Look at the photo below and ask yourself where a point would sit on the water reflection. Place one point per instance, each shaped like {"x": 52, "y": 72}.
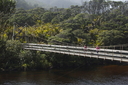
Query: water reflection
{"x": 105, "y": 75}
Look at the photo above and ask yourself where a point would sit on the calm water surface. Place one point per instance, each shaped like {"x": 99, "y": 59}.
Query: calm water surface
{"x": 103, "y": 75}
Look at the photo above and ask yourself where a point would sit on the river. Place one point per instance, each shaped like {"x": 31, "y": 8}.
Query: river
{"x": 102, "y": 75}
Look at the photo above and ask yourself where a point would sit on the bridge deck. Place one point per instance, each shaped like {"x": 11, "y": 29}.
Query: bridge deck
{"x": 110, "y": 54}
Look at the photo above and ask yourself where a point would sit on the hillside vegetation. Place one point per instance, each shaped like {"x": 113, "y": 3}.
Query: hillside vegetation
{"x": 97, "y": 22}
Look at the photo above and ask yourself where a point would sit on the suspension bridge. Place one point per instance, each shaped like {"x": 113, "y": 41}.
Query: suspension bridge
{"x": 104, "y": 52}
{"x": 109, "y": 54}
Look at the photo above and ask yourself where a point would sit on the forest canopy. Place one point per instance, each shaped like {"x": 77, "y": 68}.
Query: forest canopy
{"x": 96, "y": 22}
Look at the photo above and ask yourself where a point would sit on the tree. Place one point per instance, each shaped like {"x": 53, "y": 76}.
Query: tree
{"x": 82, "y": 38}
{"x": 63, "y": 37}
{"x": 110, "y": 37}
{"x": 47, "y": 17}
{"x": 95, "y": 7}
{"x": 83, "y": 20}
{"x": 36, "y": 13}
{"x": 21, "y": 17}
{"x": 75, "y": 10}
{"x": 11, "y": 59}
{"x": 7, "y": 7}
{"x": 93, "y": 36}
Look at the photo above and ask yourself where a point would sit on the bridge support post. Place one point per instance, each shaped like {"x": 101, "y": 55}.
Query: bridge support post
{"x": 112, "y": 59}
{"x": 97, "y": 56}
{"x": 105, "y": 58}
{"x": 91, "y": 55}
{"x": 121, "y": 60}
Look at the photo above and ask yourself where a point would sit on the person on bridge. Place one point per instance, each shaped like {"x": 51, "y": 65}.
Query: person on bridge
{"x": 97, "y": 49}
{"x": 85, "y": 47}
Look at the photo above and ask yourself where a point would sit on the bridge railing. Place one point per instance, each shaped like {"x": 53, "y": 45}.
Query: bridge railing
{"x": 80, "y": 51}
{"x": 78, "y": 48}
{"x": 118, "y": 55}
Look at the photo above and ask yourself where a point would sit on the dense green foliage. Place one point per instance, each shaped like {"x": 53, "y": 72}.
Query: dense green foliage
{"x": 6, "y": 9}
{"x": 102, "y": 23}
{"x": 13, "y": 57}
{"x": 97, "y": 22}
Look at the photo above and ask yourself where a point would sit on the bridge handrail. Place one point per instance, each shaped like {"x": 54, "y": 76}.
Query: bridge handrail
{"x": 78, "y": 51}
{"x": 82, "y": 48}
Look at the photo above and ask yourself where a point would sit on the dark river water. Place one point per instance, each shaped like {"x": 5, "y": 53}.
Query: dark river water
{"x": 103, "y": 75}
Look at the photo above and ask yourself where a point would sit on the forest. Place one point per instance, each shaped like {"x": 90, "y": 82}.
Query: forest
{"x": 96, "y": 22}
